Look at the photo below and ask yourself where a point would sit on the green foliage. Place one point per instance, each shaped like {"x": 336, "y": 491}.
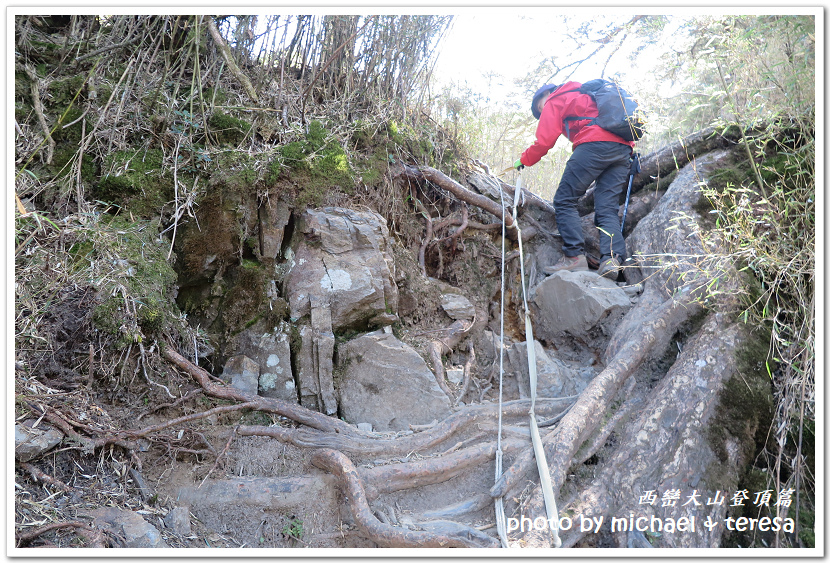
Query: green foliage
{"x": 228, "y": 129}
{"x": 293, "y": 528}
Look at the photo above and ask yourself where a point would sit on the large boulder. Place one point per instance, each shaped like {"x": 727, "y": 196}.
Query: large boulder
{"x": 386, "y": 383}
{"x": 343, "y": 258}
{"x": 575, "y": 303}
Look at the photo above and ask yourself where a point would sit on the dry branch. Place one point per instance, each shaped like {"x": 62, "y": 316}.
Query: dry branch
{"x": 41, "y": 118}
{"x": 284, "y": 408}
{"x": 382, "y": 534}
{"x": 228, "y": 56}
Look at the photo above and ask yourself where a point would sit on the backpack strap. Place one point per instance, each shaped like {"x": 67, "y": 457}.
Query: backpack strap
{"x": 574, "y": 118}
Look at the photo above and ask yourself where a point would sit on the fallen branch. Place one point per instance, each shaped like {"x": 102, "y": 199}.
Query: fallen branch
{"x": 382, "y": 534}
{"x": 283, "y": 408}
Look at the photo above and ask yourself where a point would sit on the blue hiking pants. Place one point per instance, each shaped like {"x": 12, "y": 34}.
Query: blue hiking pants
{"x": 609, "y": 164}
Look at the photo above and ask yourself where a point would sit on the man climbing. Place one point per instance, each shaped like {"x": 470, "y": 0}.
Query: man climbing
{"x": 597, "y": 155}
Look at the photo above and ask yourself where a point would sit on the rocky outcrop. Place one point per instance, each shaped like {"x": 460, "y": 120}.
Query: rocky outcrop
{"x": 386, "y": 383}
{"x": 271, "y": 352}
{"x": 342, "y": 258}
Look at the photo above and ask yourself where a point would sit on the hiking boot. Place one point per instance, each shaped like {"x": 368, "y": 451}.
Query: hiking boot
{"x": 609, "y": 268}
{"x": 570, "y": 263}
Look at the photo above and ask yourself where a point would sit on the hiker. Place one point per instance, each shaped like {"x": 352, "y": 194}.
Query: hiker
{"x": 597, "y": 155}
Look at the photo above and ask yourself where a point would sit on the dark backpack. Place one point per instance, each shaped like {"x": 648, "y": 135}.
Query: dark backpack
{"x": 617, "y": 110}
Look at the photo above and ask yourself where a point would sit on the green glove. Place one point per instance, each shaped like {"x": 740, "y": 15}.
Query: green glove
{"x": 518, "y": 165}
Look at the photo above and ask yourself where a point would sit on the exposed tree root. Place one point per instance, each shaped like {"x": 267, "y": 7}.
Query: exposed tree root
{"x": 663, "y": 162}
{"x": 425, "y": 173}
{"x": 593, "y": 402}
{"x": 382, "y": 534}
{"x": 445, "y": 345}
{"x": 458, "y": 509}
{"x": 284, "y": 408}
{"x": 86, "y": 444}
{"x": 419, "y": 442}
{"x": 429, "y": 471}
{"x": 39, "y": 475}
{"x": 601, "y": 436}
{"x": 672, "y": 435}
{"x": 562, "y": 444}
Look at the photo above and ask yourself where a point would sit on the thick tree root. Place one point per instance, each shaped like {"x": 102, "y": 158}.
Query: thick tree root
{"x": 425, "y": 173}
{"x": 593, "y": 402}
{"x": 437, "y": 348}
{"x": 382, "y": 534}
{"x": 365, "y": 445}
{"x": 586, "y": 414}
{"x": 432, "y": 470}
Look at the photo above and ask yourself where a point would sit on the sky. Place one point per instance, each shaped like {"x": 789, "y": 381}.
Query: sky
{"x": 510, "y": 43}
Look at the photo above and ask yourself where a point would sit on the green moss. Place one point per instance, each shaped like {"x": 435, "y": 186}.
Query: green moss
{"x": 141, "y": 268}
{"x": 63, "y": 91}
{"x": 243, "y": 305}
{"x": 228, "y": 129}
{"x": 135, "y": 180}
{"x": 316, "y": 163}
{"x": 235, "y": 171}
{"x": 294, "y": 155}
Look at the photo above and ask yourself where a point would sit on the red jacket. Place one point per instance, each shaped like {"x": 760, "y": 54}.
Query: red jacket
{"x": 552, "y": 125}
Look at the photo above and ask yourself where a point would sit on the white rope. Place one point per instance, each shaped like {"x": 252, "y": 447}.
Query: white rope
{"x": 538, "y": 449}
{"x": 501, "y": 521}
